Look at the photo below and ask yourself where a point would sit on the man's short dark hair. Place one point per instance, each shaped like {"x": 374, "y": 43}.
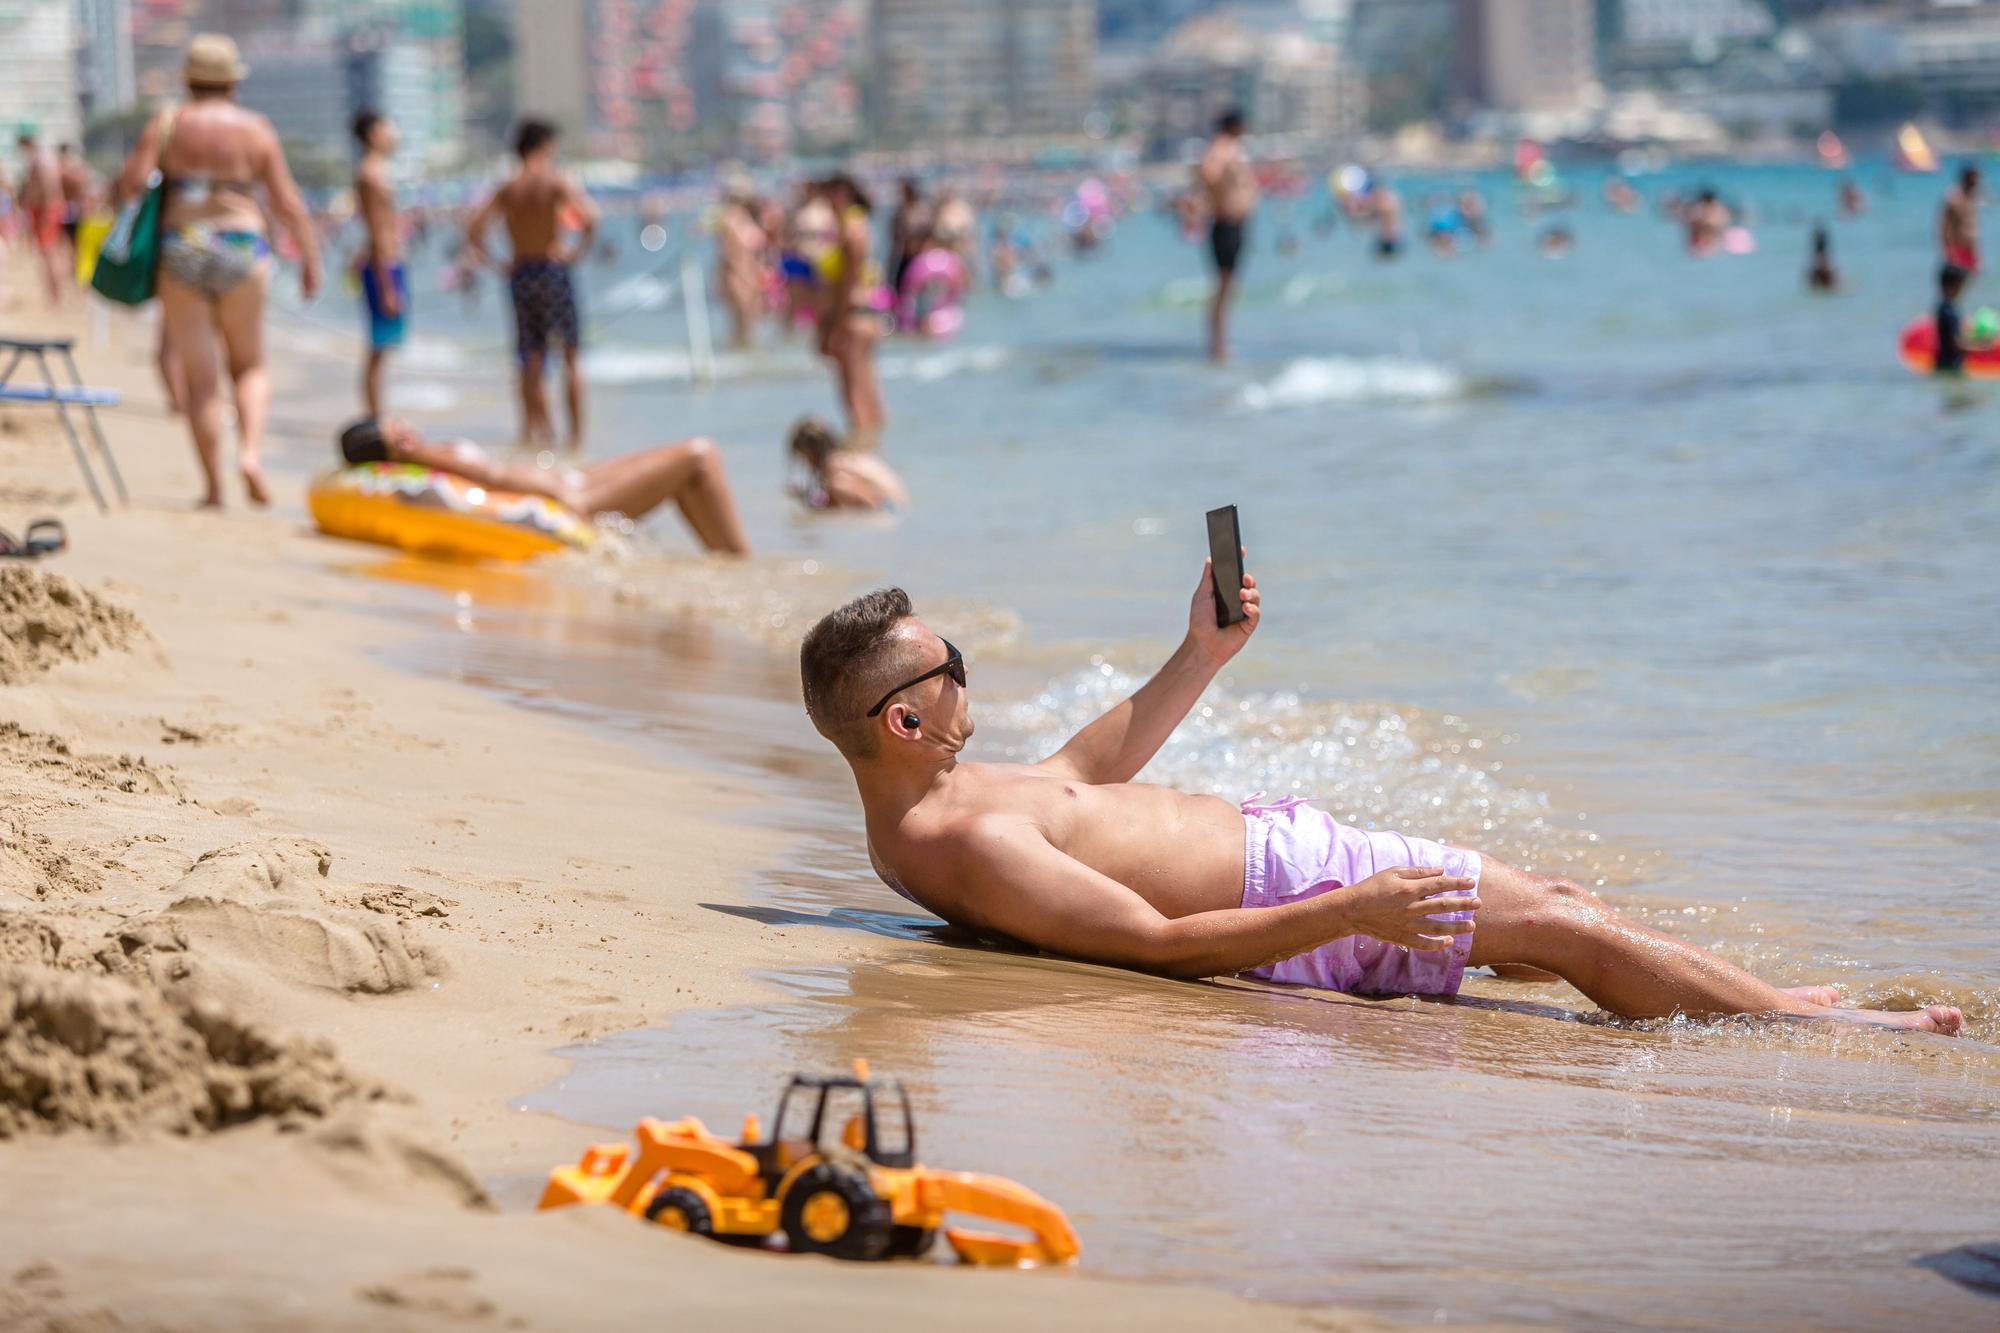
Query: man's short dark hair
{"x": 533, "y": 135}
{"x": 364, "y": 125}
{"x": 847, "y": 660}
{"x": 1230, "y": 121}
{"x": 363, "y": 442}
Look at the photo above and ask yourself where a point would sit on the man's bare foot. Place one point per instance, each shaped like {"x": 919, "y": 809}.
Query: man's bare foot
{"x": 253, "y": 482}
{"x": 1939, "y": 1018}
{"x": 209, "y": 502}
{"x": 1823, "y": 995}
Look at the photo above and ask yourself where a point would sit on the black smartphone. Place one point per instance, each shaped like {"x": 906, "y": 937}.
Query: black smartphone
{"x": 1225, "y": 549}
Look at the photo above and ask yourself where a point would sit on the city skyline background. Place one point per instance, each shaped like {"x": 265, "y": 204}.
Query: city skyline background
{"x": 660, "y": 85}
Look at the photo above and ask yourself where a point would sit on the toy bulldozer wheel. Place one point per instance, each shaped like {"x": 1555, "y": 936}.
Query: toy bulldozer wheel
{"x": 681, "y": 1209}
{"x": 833, "y": 1210}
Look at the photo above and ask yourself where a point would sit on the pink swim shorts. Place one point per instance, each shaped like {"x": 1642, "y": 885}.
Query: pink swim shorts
{"x": 1293, "y": 852}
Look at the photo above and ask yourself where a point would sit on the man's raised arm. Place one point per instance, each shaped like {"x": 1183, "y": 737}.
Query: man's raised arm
{"x": 1119, "y": 744}
{"x": 1016, "y": 883}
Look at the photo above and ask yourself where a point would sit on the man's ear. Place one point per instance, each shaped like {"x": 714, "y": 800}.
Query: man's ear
{"x": 903, "y": 721}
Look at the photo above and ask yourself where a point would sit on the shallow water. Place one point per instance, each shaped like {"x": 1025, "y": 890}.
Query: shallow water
{"x": 1656, "y": 571}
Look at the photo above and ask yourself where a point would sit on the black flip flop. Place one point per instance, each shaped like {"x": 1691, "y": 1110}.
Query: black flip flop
{"x": 54, "y": 537}
{"x": 34, "y": 548}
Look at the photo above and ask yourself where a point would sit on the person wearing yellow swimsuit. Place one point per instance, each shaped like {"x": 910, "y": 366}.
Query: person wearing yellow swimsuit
{"x": 848, "y": 328}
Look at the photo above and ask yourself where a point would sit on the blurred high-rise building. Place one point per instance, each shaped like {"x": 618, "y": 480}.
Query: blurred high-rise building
{"x": 1527, "y": 55}
{"x": 1281, "y": 62}
{"x": 664, "y": 80}
{"x": 314, "y": 63}
{"x": 160, "y": 32}
{"x": 1654, "y": 34}
{"x": 107, "y": 79}
{"x": 945, "y": 69}
{"x": 1406, "y": 50}
{"x": 38, "y": 70}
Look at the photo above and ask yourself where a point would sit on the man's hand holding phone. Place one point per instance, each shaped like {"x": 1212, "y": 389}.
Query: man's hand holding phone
{"x": 1219, "y": 643}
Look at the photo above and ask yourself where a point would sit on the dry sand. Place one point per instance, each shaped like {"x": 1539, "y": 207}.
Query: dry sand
{"x": 282, "y": 931}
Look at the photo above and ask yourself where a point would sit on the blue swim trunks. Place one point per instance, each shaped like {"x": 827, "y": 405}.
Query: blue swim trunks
{"x": 385, "y": 330}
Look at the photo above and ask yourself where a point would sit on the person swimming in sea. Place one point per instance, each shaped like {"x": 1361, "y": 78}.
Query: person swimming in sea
{"x": 837, "y": 477}
{"x": 1821, "y": 276}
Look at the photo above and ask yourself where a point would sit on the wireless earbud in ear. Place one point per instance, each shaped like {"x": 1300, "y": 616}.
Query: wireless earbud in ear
{"x": 911, "y": 722}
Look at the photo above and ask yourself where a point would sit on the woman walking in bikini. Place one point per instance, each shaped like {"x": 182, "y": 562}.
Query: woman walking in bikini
{"x": 215, "y": 255}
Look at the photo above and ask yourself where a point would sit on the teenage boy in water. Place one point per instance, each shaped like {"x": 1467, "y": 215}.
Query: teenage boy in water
{"x": 537, "y": 203}
{"x": 1950, "y": 356}
{"x": 1958, "y": 222}
{"x": 1230, "y": 186}
{"x": 382, "y": 283}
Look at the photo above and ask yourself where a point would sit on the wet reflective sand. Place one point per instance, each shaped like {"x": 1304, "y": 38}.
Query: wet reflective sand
{"x": 1495, "y": 1158}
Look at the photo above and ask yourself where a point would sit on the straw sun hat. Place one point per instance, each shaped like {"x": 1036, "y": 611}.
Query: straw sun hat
{"x": 213, "y": 62}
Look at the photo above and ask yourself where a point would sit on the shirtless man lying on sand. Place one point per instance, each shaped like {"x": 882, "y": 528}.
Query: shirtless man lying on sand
{"x": 688, "y": 473}
{"x": 1071, "y": 856}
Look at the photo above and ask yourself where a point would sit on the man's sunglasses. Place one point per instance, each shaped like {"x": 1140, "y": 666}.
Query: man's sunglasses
{"x": 953, "y": 666}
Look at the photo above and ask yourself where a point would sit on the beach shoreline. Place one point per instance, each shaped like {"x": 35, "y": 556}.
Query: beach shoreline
{"x": 231, "y": 807}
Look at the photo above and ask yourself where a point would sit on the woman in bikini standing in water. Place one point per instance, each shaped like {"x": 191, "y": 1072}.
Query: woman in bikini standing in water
{"x": 215, "y": 257}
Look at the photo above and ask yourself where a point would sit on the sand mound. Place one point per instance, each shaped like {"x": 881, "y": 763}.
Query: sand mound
{"x": 250, "y": 914}
{"x": 97, "y": 1053}
{"x": 46, "y": 619}
{"x": 43, "y": 758}
{"x": 33, "y": 863}
{"x": 24, "y": 939}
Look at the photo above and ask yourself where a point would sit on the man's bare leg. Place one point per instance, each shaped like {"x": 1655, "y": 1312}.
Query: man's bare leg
{"x": 51, "y": 262}
{"x": 1827, "y": 995}
{"x": 689, "y": 473}
{"x": 535, "y": 427}
{"x": 371, "y": 381}
{"x": 1632, "y": 970}
{"x": 1218, "y": 316}
{"x": 573, "y": 389}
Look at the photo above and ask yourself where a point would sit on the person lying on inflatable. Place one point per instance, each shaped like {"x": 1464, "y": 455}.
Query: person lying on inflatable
{"x": 689, "y": 473}
{"x": 838, "y": 477}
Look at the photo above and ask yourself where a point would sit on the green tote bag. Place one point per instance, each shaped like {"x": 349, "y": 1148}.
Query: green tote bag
{"x": 130, "y": 259}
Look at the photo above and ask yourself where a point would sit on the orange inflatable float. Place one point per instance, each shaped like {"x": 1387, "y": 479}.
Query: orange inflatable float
{"x": 1919, "y": 351}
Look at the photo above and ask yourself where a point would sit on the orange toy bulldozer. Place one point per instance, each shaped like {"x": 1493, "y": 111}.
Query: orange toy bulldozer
{"x": 835, "y": 1177}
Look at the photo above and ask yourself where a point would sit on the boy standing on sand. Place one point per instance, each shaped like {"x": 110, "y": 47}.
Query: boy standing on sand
{"x": 537, "y": 203}
{"x": 1231, "y": 188}
{"x": 382, "y": 282}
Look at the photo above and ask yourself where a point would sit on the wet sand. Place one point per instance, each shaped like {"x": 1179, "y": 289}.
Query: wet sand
{"x": 285, "y": 931}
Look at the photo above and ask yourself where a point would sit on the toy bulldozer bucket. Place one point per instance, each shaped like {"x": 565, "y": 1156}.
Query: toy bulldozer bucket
{"x": 1005, "y": 1202}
